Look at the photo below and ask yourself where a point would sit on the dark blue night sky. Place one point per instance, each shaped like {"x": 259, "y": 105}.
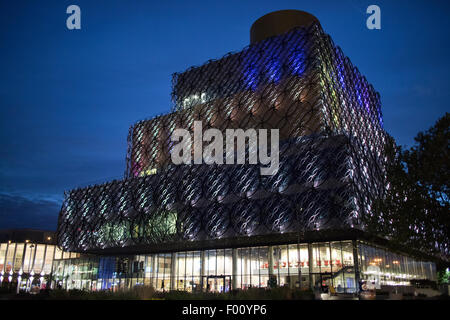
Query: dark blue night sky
{"x": 67, "y": 98}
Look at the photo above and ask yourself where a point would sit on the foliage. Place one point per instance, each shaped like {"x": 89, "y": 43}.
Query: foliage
{"x": 148, "y": 293}
{"x": 414, "y": 211}
{"x": 444, "y": 276}
{"x": 278, "y": 293}
{"x": 136, "y": 293}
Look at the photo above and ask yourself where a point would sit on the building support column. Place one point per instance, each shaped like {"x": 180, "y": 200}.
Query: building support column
{"x": 271, "y": 270}
{"x": 153, "y": 264}
{"x": 13, "y": 263}
{"x": 202, "y": 269}
{"x": 270, "y": 258}
{"x": 310, "y": 265}
{"x": 173, "y": 270}
{"x": 19, "y": 277}
{"x": 356, "y": 264}
{"x": 235, "y": 268}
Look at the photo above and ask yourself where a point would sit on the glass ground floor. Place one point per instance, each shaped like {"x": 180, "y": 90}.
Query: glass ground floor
{"x": 27, "y": 266}
{"x": 341, "y": 266}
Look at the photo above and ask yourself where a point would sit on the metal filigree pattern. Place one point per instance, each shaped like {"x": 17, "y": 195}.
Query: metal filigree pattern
{"x": 331, "y": 161}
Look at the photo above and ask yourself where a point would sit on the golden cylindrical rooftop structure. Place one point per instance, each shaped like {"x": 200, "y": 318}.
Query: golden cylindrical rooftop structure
{"x": 279, "y": 22}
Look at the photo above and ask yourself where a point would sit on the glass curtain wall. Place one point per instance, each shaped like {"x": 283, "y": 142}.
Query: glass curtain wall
{"x": 27, "y": 266}
{"x": 333, "y": 266}
{"x": 324, "y": 265}
{"x": 385, "y": 268}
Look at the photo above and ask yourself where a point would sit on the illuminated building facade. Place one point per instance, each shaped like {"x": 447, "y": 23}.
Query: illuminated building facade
{"x": 163, "y": 222}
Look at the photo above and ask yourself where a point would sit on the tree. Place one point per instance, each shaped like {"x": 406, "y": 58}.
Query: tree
{"x": 428, "y": 166}
{"x": 428, "y": 162}
{"x": 414, "y": 210}
{"x": 444, "y": 276}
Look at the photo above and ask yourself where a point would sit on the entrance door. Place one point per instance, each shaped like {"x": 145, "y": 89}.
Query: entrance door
{"x": 218, "y": 283}
{"x": 325, "y": 281}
